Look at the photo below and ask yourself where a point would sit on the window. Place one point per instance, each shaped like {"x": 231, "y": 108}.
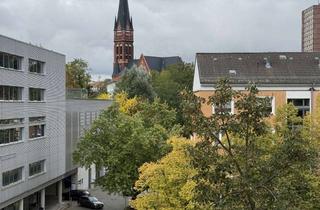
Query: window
{"x": 37, "y": 119}
{"x": 36, "y": 168}
{"x": 13, "y": 176}
{"x": 270, "y": 105}
{"x": 36, "y": 131}
{"x": 14, "y": 206}
{"x": 36, "y": 66}
{"x": 130, "y": 51}
{"x": 36, "y": 94}
{"x": 303, "y": 106}
{"x": 228, "y": 108}
{"x": 10, "y": 61}
{"x": 10, "y": 93}
{"x": 10, "y": 135}
{"x": 6, "y": 122}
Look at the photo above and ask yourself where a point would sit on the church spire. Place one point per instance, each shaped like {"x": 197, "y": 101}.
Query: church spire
{"x": 123, "y": 40}
{"x": 123, "y": 19}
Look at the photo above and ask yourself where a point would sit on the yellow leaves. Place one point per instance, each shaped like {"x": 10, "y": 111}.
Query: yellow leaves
{"x": 167, "y": 184}
{"x": 286, "y": 116}
{"x": 126, "y": 105}
{"x": 311, "y": 124}
{"x": 103, "y": 96}
{"x": 187, "y": 190}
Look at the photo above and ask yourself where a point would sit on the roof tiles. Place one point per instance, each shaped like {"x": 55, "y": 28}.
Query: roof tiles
{"x": 261, "y": 68}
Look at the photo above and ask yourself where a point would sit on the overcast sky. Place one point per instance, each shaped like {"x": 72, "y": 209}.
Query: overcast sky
{"x": 84, "y": 28}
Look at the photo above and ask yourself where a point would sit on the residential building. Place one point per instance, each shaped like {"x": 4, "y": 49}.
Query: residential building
{"x": 311, "y": 29}
{"x": 284, "y": 77}
{"x": 111, "y": 87}
{"x": 99, "y": 86}
{"x": 32, "y": 125}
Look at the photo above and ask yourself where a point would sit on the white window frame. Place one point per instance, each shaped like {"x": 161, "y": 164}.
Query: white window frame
{"x": 273, "y": 103}
{"x": 232, "y": 108}
{"x": 300, "y": 95}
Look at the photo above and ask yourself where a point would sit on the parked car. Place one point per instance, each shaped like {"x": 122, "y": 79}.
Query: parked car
{"x": 75, "y": 194}
{"x": 90, "y": 202}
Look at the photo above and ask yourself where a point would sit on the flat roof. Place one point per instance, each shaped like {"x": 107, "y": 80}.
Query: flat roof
{"x": 29, "y": 44}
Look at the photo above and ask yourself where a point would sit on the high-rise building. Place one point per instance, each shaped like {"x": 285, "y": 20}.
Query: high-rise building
{"x": 123, "y": 39}
{"x": 311, "y": 29}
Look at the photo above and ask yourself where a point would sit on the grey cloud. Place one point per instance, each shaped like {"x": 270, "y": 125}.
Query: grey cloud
{"x": 84, "y": 28}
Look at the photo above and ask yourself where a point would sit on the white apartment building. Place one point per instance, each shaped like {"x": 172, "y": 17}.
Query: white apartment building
{"x": 32, "y": 125}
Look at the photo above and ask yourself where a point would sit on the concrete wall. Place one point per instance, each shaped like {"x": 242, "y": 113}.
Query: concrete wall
{"x": 80, "y": 116}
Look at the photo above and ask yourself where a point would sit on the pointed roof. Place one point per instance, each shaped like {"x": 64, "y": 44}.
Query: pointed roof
{"x": 160, "y": 63}
{"x": 123, "y": 19}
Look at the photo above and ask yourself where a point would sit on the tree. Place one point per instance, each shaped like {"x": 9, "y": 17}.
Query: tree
{"x": 123, "y": 138}
{"x": 251, "y": 166}
{"x": 77, "y": 75}
{"x": 169, "y": 83}
{"x": 136, "y": 82}
{"x": 167, "y": 183}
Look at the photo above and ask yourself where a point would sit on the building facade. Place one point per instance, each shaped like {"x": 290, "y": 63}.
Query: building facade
{"x": 80, "y": 116}
{"x": 123, "y": 40}
{"x": 40, "y": 129}
{"x": 32, "y": 124}
{"x": 284, "y": 77}
{"x": 311, "y": 29}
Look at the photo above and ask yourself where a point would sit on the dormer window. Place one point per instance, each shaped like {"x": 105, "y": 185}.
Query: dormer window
{"x": 267, "y": 63}
{"x": 282, "y": 57}
{"x": 233, "y": 72}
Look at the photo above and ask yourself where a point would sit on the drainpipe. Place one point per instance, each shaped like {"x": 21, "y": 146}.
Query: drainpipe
{"x": 312, "y": 89}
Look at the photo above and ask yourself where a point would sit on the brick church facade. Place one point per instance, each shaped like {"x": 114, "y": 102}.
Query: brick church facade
{"x": 124, "y": 47}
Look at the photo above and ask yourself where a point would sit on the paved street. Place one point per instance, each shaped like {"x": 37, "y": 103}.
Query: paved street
{"x": 111, "y": 202}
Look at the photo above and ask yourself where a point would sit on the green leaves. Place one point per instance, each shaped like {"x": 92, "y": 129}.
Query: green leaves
{"x": 169, "y": 84}
{"x": 123, "y": 141}
{"x": 242, "y": 163}
{"x": 136, "y": 83}
{"x": 77, "y": 75}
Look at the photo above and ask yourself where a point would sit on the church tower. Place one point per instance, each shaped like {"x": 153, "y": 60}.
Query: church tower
{"x": 123, "y": 40}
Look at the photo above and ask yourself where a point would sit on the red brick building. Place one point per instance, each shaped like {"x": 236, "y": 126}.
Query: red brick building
{"x": 123, "y": 39}
{"x": 124, "y": 49}
{"x": 311, "y": 29}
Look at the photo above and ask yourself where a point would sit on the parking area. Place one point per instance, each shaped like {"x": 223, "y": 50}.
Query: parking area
{"x": 111, "y": 201}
